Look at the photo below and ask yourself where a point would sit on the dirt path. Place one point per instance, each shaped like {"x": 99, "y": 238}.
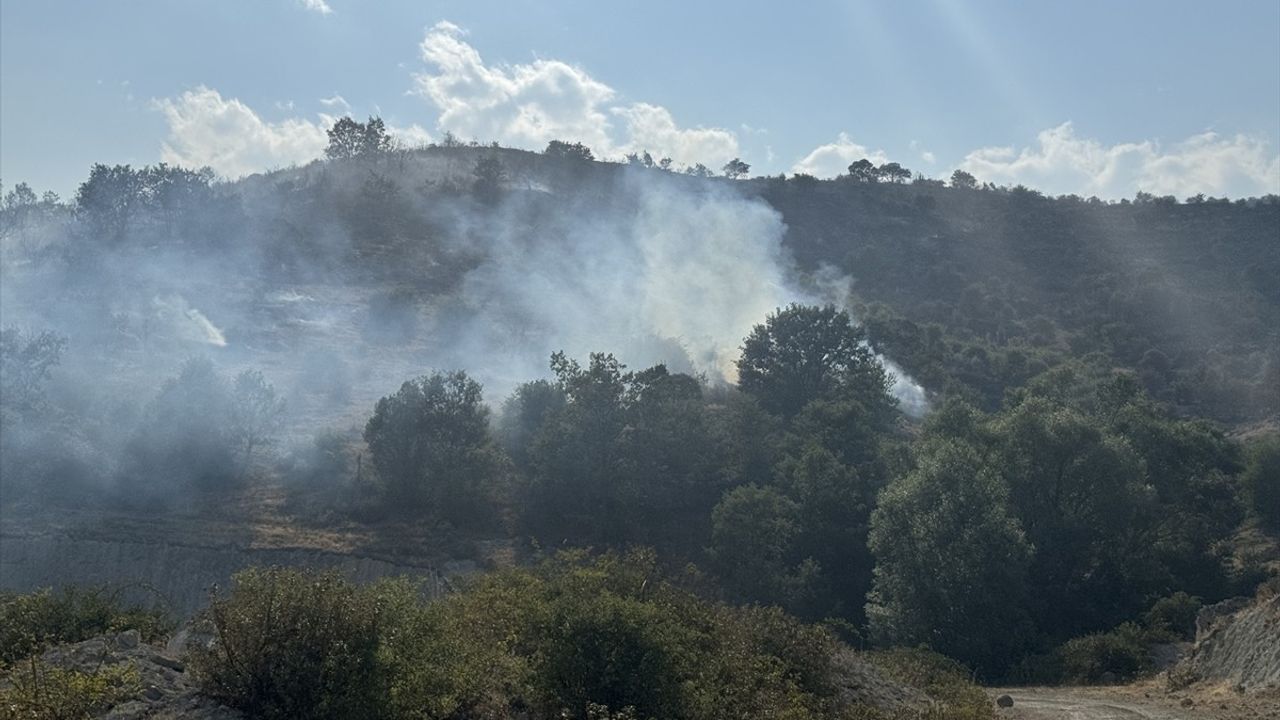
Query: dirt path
{"x": 1093, "y": 704}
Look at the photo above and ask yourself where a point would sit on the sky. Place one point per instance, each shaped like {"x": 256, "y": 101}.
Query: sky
{"x": 1089, "y": 97}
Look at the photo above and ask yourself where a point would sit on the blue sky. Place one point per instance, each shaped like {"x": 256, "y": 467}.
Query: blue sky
{"x": 1089, "y": 97}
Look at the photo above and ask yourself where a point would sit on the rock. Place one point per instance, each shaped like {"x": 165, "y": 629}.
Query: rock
{"x": 1004, "y": 701}
{"x": 1187, "y": 702}
{"x": 152, "y": 693}
{"x": 128, "y": 640}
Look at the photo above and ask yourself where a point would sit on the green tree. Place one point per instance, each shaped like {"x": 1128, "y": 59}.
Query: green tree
{"x": 963, "y": 180}
{"x": 431, "y": 445}
{"x": 523, "y": 415}
{"x": 951, "y": 561}
{"x": 736, "y": 168}
{"x": 568, "y": 151}
{"x": 489, "y": 179}
{"x": 893, "y": 172}
{"x": 805, "y": 353}
{"x": 863, "y": 171}
{"x": 1261, "y": 479}
{"x": 349, "y": 139}
{"x": 256, "y": 413}
{"x": 753, "y": 529}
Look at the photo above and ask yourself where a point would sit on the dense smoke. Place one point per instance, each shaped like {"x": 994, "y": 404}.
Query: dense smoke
{"x": 340, "y": 281}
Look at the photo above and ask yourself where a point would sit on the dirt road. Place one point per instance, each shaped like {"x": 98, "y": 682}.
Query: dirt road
{"x": 1104, "y": 704}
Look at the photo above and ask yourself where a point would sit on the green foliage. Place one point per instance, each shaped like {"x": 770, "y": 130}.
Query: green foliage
{"x": 806, "y": 353}
{"x": 31, "y": 622}
{"x": 1173, "y": 616}
{"x": 38, "y": 691}
{"x": 290, "y": 644}
{"x": 628, "y": 457}
{"x": 432, "y": 447}
{"x": 561, "y": 150}
{"x": 952, "y": 560}
{"x": 948, "y": 683}
{"x": 1261, "y": 479}
{"x": 1122, "y": 653}
{"x": 573, "y": 637}
{"x": 349, "y": 139}
{"x": 200, "y": 432}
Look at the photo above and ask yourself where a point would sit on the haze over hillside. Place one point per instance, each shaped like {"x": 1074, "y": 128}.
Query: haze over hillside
{"x": 522, "y": 397}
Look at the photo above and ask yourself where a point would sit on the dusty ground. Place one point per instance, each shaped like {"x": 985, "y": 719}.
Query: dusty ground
{"x": 1140, "y": 701}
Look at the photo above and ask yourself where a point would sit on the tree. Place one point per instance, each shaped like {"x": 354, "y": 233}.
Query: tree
{"x": 963, "y": 180}
{"x": 349, "y": 139}
{"x": 489, "y": 179}
{"x": 893, "y": 172}
{"x": 256, "y": 412}
{"x": 523, "y": 415}
{"x": 26, "y": 360}
{"x": 736, "y": 168}
{"x": 1082, "y": 498}
{"x": 185, "y": 439}
{"x": 568, "y": 151}
{"x": 863, "y": 171}
{"x": 1261, "y": 479}
{"x": 699, "y": 170}
{"x": 753, "y": 529}
{"x": 803, "y": 353}
{"x": 109, "y": 198}
{"x": 951, "y": 561}
{"x": 431, "y": 446}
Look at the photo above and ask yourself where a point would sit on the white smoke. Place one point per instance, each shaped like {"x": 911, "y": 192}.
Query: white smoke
{"x": 681, "y": 277}
{"x": 188, "y": 322}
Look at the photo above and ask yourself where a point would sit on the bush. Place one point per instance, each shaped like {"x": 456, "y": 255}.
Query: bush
{"x": 1123, "y": 653}
{"x": 30, "y": 622}
{"x": 290, "y": 644}
{"x": 948, "y": 683}
{"x": 1173, "y": 617}
{"x": 1261, "y": 480}
{"x": 38, "y": 691}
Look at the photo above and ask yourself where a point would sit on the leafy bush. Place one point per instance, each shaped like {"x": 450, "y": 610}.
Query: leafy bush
{"x": 1173, "y": 617}
{"x": 290, "y": 644}
{"x": 948, "y": 683}
{"x": 1261, "y": 479}
{"x": 37, "y": 691}
{"x": 30, "y": 622}
{"x": 1123, "y": 653}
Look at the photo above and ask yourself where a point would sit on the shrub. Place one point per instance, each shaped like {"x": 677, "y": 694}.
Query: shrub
{"x": 1261, "y": 479}
{"x": 1123, "y": 652}
{"x": 948, "y": 683}
{"x": 30, "y": 622}
{"x": 1173, "y": 617}
{"x": 290, "y": 644}
{"x": 37, "y": 691}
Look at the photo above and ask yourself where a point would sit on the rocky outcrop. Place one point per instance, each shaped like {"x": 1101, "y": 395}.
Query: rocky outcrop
{"x": 164, "y": 690}
{"x": 180, "y": 575}
{"x": 1238, "y": 642}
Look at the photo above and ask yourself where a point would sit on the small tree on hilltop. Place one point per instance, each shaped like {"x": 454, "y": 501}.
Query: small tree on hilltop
{"x": 350, "y": 139}
{"x": 736, "y": 168}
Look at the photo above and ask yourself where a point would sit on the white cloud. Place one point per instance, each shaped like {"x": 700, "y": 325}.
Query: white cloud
{"x": 527, "y": 105}
{"x": 1062, "y": 163}
{"x": 337, "y": 102}
{"x": 412, "y": 136}
{"x": 925, "y": 155}
{"x": 319, "y": 6}
{"x": 651, "y": 128}
{"x": 834, "y": 158}
{"x": 228, "y": 136}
